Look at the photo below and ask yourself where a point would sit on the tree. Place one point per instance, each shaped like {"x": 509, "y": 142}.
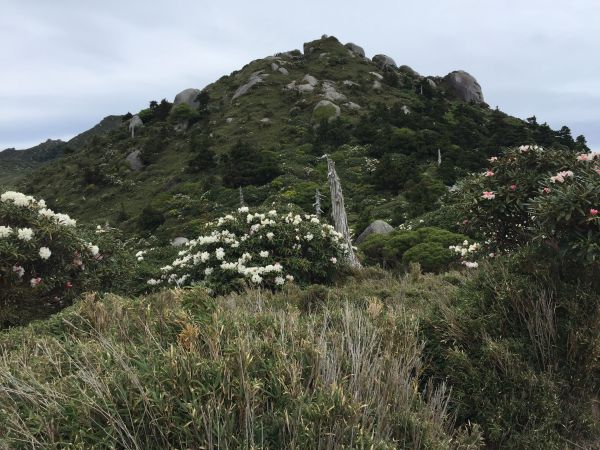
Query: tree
{"x": 245, "y": 165}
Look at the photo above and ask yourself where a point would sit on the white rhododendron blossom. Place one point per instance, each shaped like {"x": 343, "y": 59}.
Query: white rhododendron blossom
{"x": 241, "y": 248}
{"x": 30, "y": 235}
{"x": 45, "y": 253}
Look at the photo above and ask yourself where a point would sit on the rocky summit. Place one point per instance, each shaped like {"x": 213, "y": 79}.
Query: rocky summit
{"x": 400, "y": 140}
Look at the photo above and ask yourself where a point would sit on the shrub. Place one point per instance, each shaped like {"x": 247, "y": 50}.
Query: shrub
{"x": 261, "y": 249}
{"x": 495, "y": 204}
{"x": 44, "y": 257}
{"x": 428, "y": 246}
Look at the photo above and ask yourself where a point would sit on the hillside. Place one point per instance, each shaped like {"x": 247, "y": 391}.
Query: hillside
{"x": 264, "y": 127}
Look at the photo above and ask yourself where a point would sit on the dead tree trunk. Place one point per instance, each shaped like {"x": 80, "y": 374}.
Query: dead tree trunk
{"x": 317, "y": 204}
{"x": 338, "y": 211}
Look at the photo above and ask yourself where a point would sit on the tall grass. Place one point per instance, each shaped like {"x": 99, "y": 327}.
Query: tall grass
{"x": 252, "y": 370}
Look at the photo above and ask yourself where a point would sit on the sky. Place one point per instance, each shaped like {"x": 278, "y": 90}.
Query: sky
{"x": 66, "y": 64}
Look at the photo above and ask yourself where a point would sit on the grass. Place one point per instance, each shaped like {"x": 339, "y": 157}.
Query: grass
{"x": 316, "y": 368}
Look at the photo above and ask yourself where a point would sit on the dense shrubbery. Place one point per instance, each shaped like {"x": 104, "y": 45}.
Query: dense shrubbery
{"x": 261, "y": 249}
{"x": 429, "y": 246}
{"x": 43, "y": 256}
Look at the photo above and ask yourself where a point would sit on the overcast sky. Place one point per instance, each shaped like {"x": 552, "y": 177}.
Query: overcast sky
{"x": 65, "y": 64}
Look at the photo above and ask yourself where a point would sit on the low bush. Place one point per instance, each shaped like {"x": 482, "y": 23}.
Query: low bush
{"x": 428, "y": 246}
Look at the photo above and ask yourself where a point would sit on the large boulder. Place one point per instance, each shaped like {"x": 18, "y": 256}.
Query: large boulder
{"x": 464, "y": 86}
{"x": 356, "y": 49}
{"x": 384, "y": 62}
{"x": 187, "y": 96}
{"x": 255, "y": 78}
{"x": 377, "y": 227}
{"x": 134, "y": 161}
{"x": 409, "y": 70}
{"x": 331, "y": 93}
{"x": 326, "y": 110}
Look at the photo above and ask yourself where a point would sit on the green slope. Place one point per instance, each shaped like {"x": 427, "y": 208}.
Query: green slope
{"x": 386, "y": 151}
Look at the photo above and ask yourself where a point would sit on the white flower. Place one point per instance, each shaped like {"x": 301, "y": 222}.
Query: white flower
{"x": 289, "y": 278}
{"x": 279, "y": 281}
{"x": 270, "y": 236}
{"x": 309, "y": 237}
{"x": 334, "y": 260}
{"x": 153, "y": 282}
{"x": 35, "y": 281}
{"x": 256, "y": 278}
{"x": 273, "y": 213}
{"x": 470, "y": 265}
{"x": 220, "y": 253}
{"x": 93, "y": 249}
{"x": 264, "y": 254}
{"x": 24, "y": 234}
{"x": 5, "y": 231}
{"x": 45, "y": 252}
{"x": 208, "y": 271}
{"x": 243, "y": 209}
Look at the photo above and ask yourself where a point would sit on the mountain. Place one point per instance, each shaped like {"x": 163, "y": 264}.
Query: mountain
{"x": 264, "y": 128}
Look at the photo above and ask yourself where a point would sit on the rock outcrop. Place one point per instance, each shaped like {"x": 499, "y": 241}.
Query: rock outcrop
{"x": 180, "y": 241}
{"x": 187, "y": 96}
{"x": 255, "y": 78}
{"x": 384, "y": 62}
{"x": 356, "y": 49}
{"x": 134, "y": 161}
{"x": 377, "y": 227}
{"x": 326, "y": 110}
{"x": 464, "y": 86}
{"x": 331, "y": 93}
{"x": 409, "y": 70}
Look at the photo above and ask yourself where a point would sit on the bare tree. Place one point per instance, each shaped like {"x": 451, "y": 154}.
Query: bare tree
{"x": 338, "y": 211}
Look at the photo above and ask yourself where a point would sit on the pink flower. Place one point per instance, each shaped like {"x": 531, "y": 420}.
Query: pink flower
{"x": 35, "y": 281}
{"x": 513, "y": 187}
{"x": 489, "y": 173}
{"x": 19, "y": 271}
{"x": 593, "y": 212}
{"x": 583, "y": 157}
{"x": 547, "y": 190}
{"x": 493, "y": 159}
{"x": 489, "y": 195}
{"x": 69, "y": 285}
{"x": 597, "y": 171}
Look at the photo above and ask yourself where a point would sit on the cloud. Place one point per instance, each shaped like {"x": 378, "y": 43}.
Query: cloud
{"x": 67, "y": 64}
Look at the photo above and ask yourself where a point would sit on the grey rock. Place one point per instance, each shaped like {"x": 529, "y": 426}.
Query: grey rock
{"x": 283, "y": 70}
{"x": 349, "y": 83}
{"x": 274, "y": 67}
{"x": 377, "y": 85}
{"x": 229, "y": 120}
{"x": 134, "y": 123}
{"x": 310, "y": 80}
{"x": 356, "y": 49}
{"x": 377, "y": 75}
{"x": 464, "y": 86}
{"x": 431, "y": 82}
{"x": 330, "y": 92}
{"x": 187, "y": 96}
{"x": 405, "y": 109}
{"x": 255, "y": 78}
{"x": 329, "y": 106}
{"x": 409, "y": 70}
{"x": 134, "y": 161}
{"x": 352, "y": 105}
{"x": 377, "y": 227}
{"x": 265, "y": 121}
{"x": 180, "y": 241}
{"x": 384, "y": 62}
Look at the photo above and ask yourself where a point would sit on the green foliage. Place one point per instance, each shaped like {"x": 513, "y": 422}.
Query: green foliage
{"x": 245, "y": 165}
{"x": 261, "y": 249}
{"x": 428, "y": 246}
{"x": 183, "y": 113}
{"x": 46, "y": 260}
{"x": 150, "y": 219}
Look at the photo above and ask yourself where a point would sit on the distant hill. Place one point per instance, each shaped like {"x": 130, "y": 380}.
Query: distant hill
{"x": 264, "y": 127}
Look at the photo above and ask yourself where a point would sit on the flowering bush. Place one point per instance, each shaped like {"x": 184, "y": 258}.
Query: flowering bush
{"x": 494, "y": 204}
{"x": 42, "y": 253}
{"x": 261, "y": 249}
